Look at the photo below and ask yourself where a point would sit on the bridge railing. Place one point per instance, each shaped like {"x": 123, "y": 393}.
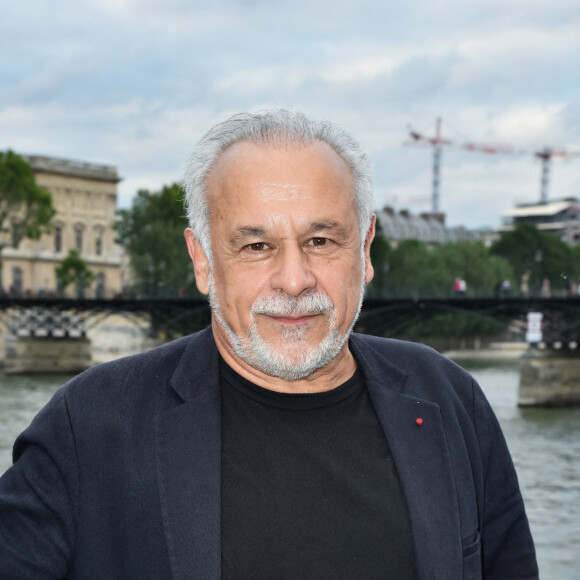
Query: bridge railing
{"x": 406, "y": 318}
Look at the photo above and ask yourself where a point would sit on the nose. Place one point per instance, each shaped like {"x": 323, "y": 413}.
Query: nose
{"x": 292, "y": 273}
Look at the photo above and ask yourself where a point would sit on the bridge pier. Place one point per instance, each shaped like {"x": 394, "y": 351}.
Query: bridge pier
{"x": 549, "y": 378}
{"x": 47, "y": 340}
{"x": 32, "y": 354}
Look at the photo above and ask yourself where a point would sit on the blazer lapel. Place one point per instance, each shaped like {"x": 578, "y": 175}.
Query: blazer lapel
{"x": 424, "y": 467}
{"x": 189, "y": 464}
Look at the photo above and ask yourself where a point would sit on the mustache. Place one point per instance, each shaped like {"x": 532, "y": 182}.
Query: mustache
{"x": 279, "y": 305}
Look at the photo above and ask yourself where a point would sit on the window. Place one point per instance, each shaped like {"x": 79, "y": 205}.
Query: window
{"x": 79, "y": 239}
{"x": 100, "y": 290}
{"x": 16, "y": 288}
{"x": 99, "y": 241}
{"x": 58, "y": 239}
{"x": 15, "y": 234}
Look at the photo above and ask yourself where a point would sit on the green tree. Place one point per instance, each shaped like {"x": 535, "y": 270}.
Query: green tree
{"x": 473, "y": 262}
{"x": 380, "y": 253}
{"x": 576, "y": 261}
{"x": 152, "y": 233}
{"x": 415, "y": 271}
{"x": 25, "y": 209}
{"x": 73, "y": 269}
{"x": 539, "y": 255}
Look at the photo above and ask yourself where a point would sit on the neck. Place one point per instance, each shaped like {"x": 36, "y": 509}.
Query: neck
{"x": 336, "y": 372}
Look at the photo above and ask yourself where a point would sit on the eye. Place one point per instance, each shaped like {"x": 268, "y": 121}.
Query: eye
{"x": 257, "y": 247}
{"x": 318, "y": 242}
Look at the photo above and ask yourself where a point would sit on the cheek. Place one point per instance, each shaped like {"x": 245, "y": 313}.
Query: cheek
{"x": 346, "y": 289}
{"x": 240, "y": 288}
{"x": 351, "y": 290}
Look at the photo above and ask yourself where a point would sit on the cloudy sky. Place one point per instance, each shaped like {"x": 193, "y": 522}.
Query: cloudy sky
{"x": 135, "y": 83}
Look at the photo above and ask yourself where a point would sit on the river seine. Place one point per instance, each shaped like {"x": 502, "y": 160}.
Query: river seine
{"x": 545, "y": 445}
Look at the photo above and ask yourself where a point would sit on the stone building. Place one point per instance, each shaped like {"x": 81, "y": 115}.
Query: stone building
{"x": 428, "y": 228}
{"x": 559, "y": 217}
{"x": 85, "y": 198}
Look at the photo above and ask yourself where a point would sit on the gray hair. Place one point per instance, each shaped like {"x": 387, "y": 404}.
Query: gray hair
{"x": 271, "y": 126}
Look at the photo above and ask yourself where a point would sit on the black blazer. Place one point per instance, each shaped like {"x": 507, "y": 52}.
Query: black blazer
{"x": 118, "y": 477}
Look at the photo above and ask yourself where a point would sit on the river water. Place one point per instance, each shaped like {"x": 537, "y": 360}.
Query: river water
{"x": 545, "y": 445}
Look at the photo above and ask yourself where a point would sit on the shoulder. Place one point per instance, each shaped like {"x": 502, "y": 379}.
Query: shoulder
{"x": 159, "y": 358}
{"x": 408, "y": 356}
{"x": 391, "y": 345}
{"x": 141, "y": 375}
{"x": 414, "y": 369}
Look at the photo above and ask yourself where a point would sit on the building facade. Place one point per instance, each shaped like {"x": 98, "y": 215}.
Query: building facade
{"x": 428, "y": 228}
{"x": 84, "y": 196}
{"x": 560, "y": 218}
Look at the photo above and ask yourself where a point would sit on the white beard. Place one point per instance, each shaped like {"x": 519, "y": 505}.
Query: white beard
{"x": 294, "y": 360}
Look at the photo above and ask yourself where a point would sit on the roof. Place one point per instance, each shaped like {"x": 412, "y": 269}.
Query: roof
{"x": 544, "y": 209}
{"x": 404, "y": 226}
{"x": 43, "y": 164}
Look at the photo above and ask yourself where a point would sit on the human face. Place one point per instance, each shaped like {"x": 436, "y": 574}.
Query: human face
{"x": 287, "y": 272}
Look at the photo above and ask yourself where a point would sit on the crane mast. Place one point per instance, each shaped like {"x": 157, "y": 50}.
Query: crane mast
{"x": 546, "y": 157}
{"x": 436, "y": 167}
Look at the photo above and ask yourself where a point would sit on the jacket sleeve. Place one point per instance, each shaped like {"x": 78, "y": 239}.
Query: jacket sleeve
{"x": 38, "y": 498}
{"x": 507, "y": 545}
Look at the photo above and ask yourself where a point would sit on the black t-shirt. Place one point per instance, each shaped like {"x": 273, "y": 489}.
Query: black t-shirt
{"x": 309, "y": 487}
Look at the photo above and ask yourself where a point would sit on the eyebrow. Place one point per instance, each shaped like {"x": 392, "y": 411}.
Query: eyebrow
{"x": 243, "y": 233}
{"x": 328, "y": 226}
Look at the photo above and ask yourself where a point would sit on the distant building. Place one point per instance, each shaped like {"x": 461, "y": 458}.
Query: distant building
{"x": 561, "y": 218}
{"x": 486, "y": 235}
{"x": 428, "y": 228}
{"x": 85, "y": 198}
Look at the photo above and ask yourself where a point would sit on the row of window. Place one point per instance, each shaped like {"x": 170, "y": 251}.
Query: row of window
{"x": 16, "y": 288}
{"x": 67, "y": 198}
{"x": 79, "y": 240}
{"x": 17, "y": 236}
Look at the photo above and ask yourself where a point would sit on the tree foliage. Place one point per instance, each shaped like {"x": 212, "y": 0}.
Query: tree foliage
{"x": 152, "y": 233}
{"x": 73, "y": 269}
{"x": 472, "y": 262}
{"x": 414, "y": 270}
{"x": 25, "y": 209}
{"x": 380, "y": 252}
{"x": 538, "y": 254}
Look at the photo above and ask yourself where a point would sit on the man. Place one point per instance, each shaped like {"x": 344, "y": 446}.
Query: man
{"x": 275, "y": 444}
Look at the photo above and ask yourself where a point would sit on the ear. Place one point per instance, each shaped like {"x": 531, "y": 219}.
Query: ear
{"x": 199, "y": 260}
{"x": 369, "y": 270}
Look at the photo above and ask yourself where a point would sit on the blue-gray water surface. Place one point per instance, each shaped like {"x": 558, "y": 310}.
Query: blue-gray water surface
{"x": 545, "y": 445}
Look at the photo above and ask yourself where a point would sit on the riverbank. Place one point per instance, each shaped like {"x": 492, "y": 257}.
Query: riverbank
{"x": 493, "y": 352}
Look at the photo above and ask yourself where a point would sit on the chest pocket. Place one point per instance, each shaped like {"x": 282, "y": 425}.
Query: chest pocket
{"x": 471, "y": 550}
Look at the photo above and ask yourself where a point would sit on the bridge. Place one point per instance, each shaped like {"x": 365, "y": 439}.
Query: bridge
{"x": 560, "y": 325}
{"x": 52, "y": 317}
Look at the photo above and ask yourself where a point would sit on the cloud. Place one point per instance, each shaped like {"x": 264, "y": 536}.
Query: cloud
{"x": 135, "y": 83}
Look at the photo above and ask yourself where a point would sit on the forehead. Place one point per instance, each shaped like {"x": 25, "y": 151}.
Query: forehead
{"x": 278, "y": 172}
